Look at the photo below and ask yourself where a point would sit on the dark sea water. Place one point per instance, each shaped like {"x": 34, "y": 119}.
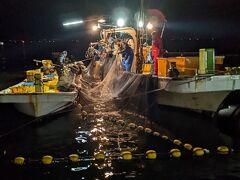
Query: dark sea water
{"x": 102, "y": 129}
{"x": 71, "y": 132}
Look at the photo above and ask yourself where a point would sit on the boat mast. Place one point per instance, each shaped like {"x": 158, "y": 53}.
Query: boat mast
{"x": 140, "y": 39}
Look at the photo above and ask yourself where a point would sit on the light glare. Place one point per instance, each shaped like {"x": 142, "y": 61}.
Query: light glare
{"x": 95, "y": 27}
{"x": 140, "y": 24}
{"x": 72, "y": 23}
{"x": 101, "y": 20}
{"x": 120, "y": 22}
{"x": 149, "y": 26}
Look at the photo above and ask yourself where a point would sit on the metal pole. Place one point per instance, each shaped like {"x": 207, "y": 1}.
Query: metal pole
{"x": 163, "y": 28}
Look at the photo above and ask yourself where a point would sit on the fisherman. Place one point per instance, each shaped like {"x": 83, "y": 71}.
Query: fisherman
{"x": 157, "y": 49}
{"x": 61, "y": 62}
{"x": 62, "y": 57}
{"x": 172, "y": 71}
{"x": 127, "y": 56}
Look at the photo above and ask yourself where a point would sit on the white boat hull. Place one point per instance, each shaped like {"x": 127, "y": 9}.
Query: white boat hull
{"x": 40, "y": 104}
{"x": 206, "y": 101}
{"x": 206, "y": 93}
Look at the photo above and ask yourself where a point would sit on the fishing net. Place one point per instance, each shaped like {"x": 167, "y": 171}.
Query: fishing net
{"x": 129, "y": 97}
{"x": 104, "y": 81}
{"x": 117, "y": 98}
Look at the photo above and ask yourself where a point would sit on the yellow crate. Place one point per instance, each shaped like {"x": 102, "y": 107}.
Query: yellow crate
{"x": 30, "y": 72}
{"x": 47, "y": 63}
{"x": 185, "y": 65}
{"x": 29, "y": 89}
{"x": 219, "y": 59}
{"x": 23, "y": 89}
{"x": 14, "y": 89}
{"x": 146, "y": 69}
{"x": 45, "y": 88}
{"x": 30, "y": 75}
{"x": 54, "y": 81}
{"x": 162, "y": 67}
{"x": 37, "y": 71}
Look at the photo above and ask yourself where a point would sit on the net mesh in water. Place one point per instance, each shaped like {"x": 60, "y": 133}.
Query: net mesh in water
{"x": 104, "y": 81}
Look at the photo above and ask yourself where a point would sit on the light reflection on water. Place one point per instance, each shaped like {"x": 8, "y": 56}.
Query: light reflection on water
{"x": 101, "y": 131}
{"x": 80, "y": 168}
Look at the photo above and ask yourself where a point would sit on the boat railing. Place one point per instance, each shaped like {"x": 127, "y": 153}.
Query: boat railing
{"x": 228, "y": 71}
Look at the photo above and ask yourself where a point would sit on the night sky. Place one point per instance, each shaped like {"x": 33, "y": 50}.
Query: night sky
{"x": 42, "y": 19}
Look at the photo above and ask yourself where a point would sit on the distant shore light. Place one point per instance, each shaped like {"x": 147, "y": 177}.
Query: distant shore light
{"x": 72, "y": 23}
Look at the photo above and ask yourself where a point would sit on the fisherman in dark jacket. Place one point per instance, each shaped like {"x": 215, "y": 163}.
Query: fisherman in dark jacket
{"x": 172, "y": 71}
{"x": 127, "y": 56}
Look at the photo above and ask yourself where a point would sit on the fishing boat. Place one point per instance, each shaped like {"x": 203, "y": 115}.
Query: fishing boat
{"x": 191, "y": 90}
{"x": 39, "y": 94}
{"x": 203, "y": 83}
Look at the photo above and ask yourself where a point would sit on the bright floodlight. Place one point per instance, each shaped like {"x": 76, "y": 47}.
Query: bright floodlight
{"x": 95, "y": 27}
{"x": 101, "y": 20}
{"x": 149, "y": 26}
{"x": 140, "y": 24}
{"x": 120, "y": 22}
{"x": 73, "y": 23}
